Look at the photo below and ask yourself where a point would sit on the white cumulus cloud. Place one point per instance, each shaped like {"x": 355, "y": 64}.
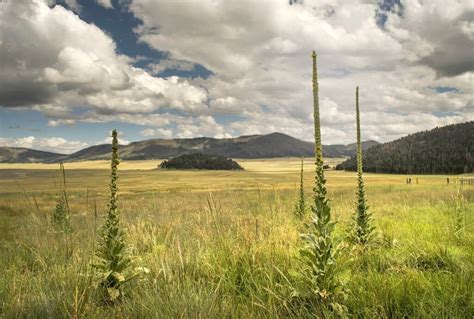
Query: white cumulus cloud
{"x": 258, "y": 53}
{"x": 52, "y": 144}
{"x": 260, "y": 58}
{"x": 52, "y": 57}
{"x": 157, "y": 133}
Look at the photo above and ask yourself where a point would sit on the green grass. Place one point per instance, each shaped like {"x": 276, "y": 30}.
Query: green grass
{"x": 232, "y": 253}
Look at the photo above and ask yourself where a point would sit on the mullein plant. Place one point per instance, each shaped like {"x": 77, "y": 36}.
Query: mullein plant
{"x": 300, "y": 205}
{"x": 113, "y": 261}
{"x": 61, "y": 212}
{"x": 319, "y": 251}
{"x": 363, "y": 230}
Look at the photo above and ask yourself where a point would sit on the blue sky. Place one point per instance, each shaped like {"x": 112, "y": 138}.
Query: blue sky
{"x": 73, "y": 70}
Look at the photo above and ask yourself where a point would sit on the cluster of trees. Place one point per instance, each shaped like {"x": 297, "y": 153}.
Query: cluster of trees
{"x": 443, "y": 150}
{"x": 201, "y": 161}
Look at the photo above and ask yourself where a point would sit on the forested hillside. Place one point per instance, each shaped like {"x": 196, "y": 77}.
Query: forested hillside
{"x": 443, "y": 150}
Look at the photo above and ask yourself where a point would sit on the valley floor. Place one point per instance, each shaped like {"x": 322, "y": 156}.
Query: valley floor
{"x": 225, "y": 243}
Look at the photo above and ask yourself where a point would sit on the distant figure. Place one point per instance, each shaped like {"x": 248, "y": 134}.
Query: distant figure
{"x": 447, "y": 180}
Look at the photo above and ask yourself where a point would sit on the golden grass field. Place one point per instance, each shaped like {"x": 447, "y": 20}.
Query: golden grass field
{"x": 136, "y": 176}
{"x": 224, "y": 244}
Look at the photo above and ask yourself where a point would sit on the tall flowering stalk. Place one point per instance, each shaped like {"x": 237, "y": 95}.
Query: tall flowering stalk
{"x": 318, "y": 252}
{"x": 112, "y": 258}
{"x": 363, "y": 228}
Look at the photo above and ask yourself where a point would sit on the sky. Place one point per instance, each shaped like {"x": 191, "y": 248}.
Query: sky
{"x": 73, "y": 70}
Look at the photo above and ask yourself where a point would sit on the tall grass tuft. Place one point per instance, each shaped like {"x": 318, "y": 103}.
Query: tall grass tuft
{"x": 363, "y": 230}
{"x": 300, "y": 205}
{"x": 60, "y": 217}
{"x": 459, "y": 209}
{"x": 113, "y": 262}
{"x": 319, "y": 251}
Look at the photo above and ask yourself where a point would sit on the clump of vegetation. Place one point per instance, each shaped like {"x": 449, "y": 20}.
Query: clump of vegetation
{"x": 319, "y": 251}
{"x": 363, "y": 229}
{"x": 61, "y": 212}
{"x": 113, "y": 262}
{"x": 300, "y": 205}
{"x": 201, "y": 161}
{"x": 459, "y": 209}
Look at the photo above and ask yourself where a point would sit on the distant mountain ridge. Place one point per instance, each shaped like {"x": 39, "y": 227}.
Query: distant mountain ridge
{"x": 442, "y": 150}
{"x": 26, "y": 155}
{"x": 251, "y": 146}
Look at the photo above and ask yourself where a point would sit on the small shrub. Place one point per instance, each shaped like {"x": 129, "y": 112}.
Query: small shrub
{"x": 300, "y": 205}
{"x": 61, "y": 212}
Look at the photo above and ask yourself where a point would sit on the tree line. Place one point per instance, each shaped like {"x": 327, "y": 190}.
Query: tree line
{"x": 443, "y": 150}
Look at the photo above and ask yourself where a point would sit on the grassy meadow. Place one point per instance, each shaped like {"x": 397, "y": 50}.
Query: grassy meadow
{"x": 224, "y": 244}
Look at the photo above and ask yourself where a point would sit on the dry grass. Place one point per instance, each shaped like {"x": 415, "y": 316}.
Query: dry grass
{"x": 234, "y": 258}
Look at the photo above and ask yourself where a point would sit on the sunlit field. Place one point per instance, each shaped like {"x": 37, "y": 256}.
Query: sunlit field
{"x": 223, "y": 244}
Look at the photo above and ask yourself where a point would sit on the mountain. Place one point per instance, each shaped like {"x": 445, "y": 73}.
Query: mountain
{"x": 443, "y": 150}
{"x": 91, "y": 153}
{"x": 252, "y": 146}
{"x": 339, "y": 150}
{"x": 26, "y": 155}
